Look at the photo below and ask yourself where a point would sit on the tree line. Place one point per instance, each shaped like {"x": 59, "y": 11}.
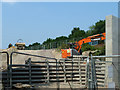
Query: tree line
{"x": 76, "y": 35}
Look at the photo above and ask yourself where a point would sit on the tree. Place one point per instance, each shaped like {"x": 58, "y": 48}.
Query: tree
{"x": 34, "y": 46}
{"x": 61, "y": 38}
{"x": 77, "y": 33}
{"x": 99, "y": 27}
{"x": 48, "y": 41}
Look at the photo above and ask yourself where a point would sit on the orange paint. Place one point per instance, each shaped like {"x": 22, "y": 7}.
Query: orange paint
{"x": 66, "y": 53}
{"x": 78, "y": 44}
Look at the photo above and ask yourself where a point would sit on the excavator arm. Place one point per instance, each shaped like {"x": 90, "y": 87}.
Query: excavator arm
{"x": 78, "y": 45}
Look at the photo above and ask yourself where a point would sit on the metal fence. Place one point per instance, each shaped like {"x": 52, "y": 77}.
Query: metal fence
{"x": 53, "y": 44}
{"x": 88, "y": 71}
{"x": 102, "y": 61}
{"x": 7, "y": 55}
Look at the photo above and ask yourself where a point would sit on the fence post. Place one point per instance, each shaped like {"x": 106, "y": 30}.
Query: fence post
{"x": 66, "y": 41}
{"x": 57, "y": 78}
{"x": 72, "y": 74}
{"x": 50, "y": 46}
{"x": 79, "y": 71}
{"x": 64, "y": 72}
{"x": 91, "y": 83}
{"x": 29, "y": 71}
{"x": 48, "y": 77}
{"x": 88, "y": 73}
{"x": 11, "y": 70}
{"x": 93, "y": 74}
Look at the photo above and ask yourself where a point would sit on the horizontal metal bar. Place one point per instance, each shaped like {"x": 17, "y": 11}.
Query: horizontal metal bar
{"x": 65, "y": 59}
{"x": 38, "y": 65}
{"x": 20, "y": 76}
{"x": 38, "y": 76}
{"x": 38, "y": 72}
{"x": 97, "y": 69}
{"x": 20, "y": 80}
{"x": 43, "y": 62}
{"x": 79, "y": 56}
{"x": 100, "y": 73}
{"x": 63, "y": 76}
{"x": 67, "y": 69}
{"x": 38, "y": 61}
{"x": 20, "y": 72}
{"x": 20, "y": 69}
{"x": 55, "y": 80}
{"x": 34, "y": 55}
{"x": 3, "y": 73}
{"x": 63, "y": 72}
{"x": 38, "y": 69}
{"x": 19, "y": 65}
{"x": 37, "y": 80}
{"x": 74, "y": 61}
{"x": 100, "y": 66}
{"x": 110, "y": 56}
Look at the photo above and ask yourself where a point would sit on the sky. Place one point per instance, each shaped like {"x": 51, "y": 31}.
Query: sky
{"x": 37, "y": 21}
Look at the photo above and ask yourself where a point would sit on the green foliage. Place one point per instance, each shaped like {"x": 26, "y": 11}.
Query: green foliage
{"x": 101, "y": 51}
{"x": 48, "y": 40}
{"x": 86, "y": 47}
{"x": 90, "y": 31}
{"x": 61, "y": 38}
{"x": 34, "y": 46}
{"x": 99, "y": 27}
{"x": 76, "y": 35}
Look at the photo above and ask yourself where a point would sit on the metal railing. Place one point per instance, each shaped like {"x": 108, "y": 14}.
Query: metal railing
{"x": 93, "y": 82}
{"x": 91, "y": 69}
{"x": 7, "y": 68}
{"x": 11, "y": 58}
{"x": 58, "y": 61}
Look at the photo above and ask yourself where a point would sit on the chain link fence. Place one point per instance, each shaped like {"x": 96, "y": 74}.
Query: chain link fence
{"x": 53, "y": 44}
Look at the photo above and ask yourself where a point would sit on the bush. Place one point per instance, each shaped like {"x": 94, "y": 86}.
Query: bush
{"x": 86, "y": 47}
{"x": 100, "y": 50}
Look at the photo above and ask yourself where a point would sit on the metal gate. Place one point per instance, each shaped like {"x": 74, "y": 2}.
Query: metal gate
{"x": 85, "y": 71}
{"x": 45, "y": 70}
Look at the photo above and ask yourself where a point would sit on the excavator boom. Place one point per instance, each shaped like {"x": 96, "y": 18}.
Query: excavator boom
{"x": 78, "y": 45}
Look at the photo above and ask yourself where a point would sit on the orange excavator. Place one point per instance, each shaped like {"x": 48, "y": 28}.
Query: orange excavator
{"x": 78, "y": 45}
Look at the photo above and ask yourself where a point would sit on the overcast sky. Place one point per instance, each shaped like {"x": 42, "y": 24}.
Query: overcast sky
{"x": 35, "y": 22}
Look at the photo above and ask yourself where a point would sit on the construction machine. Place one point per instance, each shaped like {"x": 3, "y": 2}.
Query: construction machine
{"x": 76, "y": 50}
{"x": 20, "y": 44}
